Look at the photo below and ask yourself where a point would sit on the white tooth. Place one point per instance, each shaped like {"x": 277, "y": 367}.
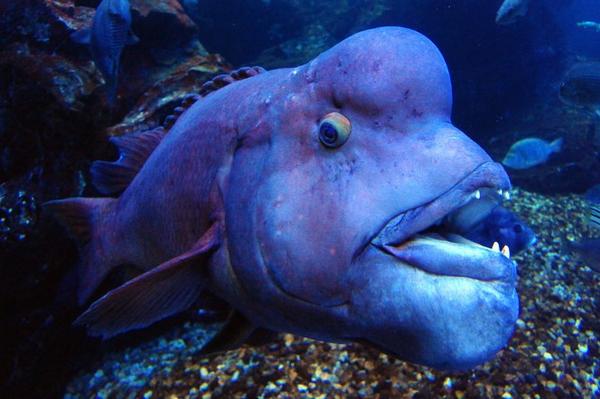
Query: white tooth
{"x": 506, "y": 251}
{"x": 506, "y": 195}
{"x": 477, "y": 194}
{"x": 499, "y": 191}
{"x": 496, "y": 246}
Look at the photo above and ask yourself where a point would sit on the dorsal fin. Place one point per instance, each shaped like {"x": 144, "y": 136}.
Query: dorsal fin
{"x": 227, "y": 78}
{"x": 185, "y": 104}
{"x": 111, "y": 178}
{"x": 210, "y": 86}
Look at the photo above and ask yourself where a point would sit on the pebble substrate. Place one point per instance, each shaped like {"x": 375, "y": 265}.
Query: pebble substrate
{"x": 554, "y": 352}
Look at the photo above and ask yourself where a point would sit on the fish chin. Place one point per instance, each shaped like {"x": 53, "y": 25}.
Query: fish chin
{"x": 434, "y": 297}
{"x": 451, "y": 322}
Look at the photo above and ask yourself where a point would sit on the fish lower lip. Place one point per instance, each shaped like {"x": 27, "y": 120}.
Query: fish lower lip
{"x": 411, "y": 237}
{"x": 446, "y": 258}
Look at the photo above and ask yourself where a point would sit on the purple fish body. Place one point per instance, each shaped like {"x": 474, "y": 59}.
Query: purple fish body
{"x": 305, "y": 198}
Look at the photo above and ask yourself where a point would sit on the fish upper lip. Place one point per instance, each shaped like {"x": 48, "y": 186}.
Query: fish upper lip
{"x": 407, "y": 225}
{"x": 412, "y": 221}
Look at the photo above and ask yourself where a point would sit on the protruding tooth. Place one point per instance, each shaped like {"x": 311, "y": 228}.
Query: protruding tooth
{"x": 496, "y": 246}
{"x": 500, "y": 191}
{"x": 506, "y": 251}
{"x": 477, "y": 194}
{"x": 506, "y": 195}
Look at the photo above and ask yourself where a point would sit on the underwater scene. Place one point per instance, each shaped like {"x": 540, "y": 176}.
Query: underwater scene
{"x": 300, "y": 199}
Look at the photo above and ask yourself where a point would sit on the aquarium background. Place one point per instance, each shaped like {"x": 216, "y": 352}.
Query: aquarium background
{"x": 55, "y": 119}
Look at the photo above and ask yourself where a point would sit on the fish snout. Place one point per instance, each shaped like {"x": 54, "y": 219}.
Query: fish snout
{"x": 434, "y": 297}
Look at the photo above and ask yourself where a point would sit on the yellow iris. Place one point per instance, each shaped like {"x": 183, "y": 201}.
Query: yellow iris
{"x": 334, "y": 130}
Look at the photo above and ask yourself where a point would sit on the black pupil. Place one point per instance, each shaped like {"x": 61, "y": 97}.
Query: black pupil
{"x": 329, "y": 133}
{"x": 517, "y": 228}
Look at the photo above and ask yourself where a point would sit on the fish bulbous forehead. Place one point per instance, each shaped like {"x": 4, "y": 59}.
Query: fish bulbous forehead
{"x": 384, "y": 69}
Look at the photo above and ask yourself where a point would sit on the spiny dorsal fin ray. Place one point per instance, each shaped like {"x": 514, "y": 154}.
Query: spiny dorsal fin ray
{"x": 210, "y": 86}
{"x": 227, "y": 78}
{"x": 111, "y": 178}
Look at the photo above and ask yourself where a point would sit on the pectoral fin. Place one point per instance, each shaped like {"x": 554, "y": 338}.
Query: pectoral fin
{"x": 83, "y": 36}
{"x": 161, "y": 292}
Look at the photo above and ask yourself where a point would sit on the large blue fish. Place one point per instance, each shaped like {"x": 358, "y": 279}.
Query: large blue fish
{"x": 109, "y": 34}
{"x": 530, "y": 152}
{"x": 307, "y": 199}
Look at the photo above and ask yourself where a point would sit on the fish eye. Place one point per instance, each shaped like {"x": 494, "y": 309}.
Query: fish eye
{"x": 334, "y": 130}
{"x": 517, "y": 228}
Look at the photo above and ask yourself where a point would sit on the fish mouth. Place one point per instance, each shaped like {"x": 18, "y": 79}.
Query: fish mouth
{"x": 425, "y": 238}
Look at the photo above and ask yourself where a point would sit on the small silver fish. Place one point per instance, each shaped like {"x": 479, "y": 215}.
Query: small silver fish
{"x": 510, "y": 11}
{"x": 581, "y": 86}
{"x": 109, "y": 34}
{"x": 590, "y": 25}
{"x": 531, "y": 151}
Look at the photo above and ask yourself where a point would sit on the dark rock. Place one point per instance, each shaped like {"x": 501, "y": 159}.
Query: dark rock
{"x": 155, "y": 105}
{"x": 295, "y": 31}
{"x": 67, "y": 82}
{"x": 165, "y": 30}
{"x": 43, "y": 22}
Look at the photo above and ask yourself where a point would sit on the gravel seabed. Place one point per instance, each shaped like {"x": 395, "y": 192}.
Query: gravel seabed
{"x": 554, "y": 352}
